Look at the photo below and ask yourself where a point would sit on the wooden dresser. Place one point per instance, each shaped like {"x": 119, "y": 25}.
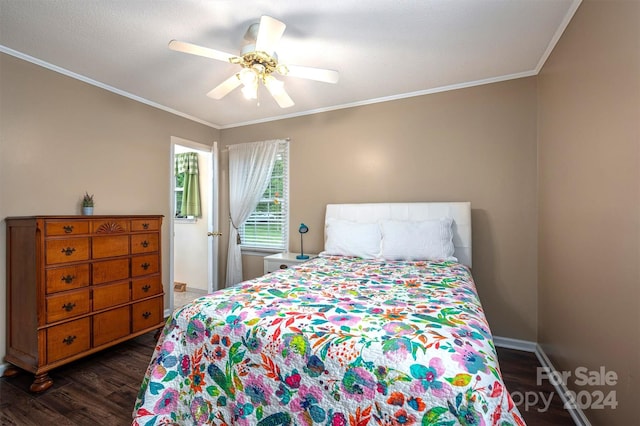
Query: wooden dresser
{"x": 77, "y": 285}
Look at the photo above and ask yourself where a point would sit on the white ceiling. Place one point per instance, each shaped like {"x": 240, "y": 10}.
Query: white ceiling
{"x": 383, "y": 49}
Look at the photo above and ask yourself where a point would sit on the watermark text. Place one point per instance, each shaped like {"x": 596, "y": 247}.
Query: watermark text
{"x": 595, "y": 399}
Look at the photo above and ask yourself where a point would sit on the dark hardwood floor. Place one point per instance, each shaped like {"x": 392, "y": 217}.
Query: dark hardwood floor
{"x": 101, "y": 389}
{"x": 98, "y": 390}
{"x": 519, "y": 371}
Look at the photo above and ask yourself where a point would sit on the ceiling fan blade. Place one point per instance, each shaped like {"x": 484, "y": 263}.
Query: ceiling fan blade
{"x": 318, "y": 74}
{"x": 181, "y": 46}
{"x": 225, "y": 87}
{"x": 276, "y": 88}
{"x": 269, "y": 34}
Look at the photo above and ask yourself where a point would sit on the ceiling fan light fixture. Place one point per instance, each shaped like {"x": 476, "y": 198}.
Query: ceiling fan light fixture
{"x": 250, "y": 91}
{"x": 248, "y": 76}
{"x": 259, "y": 69}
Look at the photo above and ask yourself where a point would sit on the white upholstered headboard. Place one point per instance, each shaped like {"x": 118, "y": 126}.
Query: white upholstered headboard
{"x": 460, "y": 212}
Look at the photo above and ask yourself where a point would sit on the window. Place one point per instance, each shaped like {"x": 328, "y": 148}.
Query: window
{"x": 187, "y": 187}
{"x": 179, "y": 190}
{"x": 267, "y": 228}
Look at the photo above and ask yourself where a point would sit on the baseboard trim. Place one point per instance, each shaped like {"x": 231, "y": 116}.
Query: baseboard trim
{"x": 517, "y": 344}
{"x": 576, "y": 413}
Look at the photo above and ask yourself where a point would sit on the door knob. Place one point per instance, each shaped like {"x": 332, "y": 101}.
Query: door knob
{"x": 214, "y": 234}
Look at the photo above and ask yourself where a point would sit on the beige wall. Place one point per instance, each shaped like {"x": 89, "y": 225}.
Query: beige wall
{"x": 476, "y": 144}
{"x": 60, "y": 137}
{"x": 589, "y": 219}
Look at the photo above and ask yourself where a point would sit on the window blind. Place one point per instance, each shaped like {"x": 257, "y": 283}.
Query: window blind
{"x": 267, "y": 228}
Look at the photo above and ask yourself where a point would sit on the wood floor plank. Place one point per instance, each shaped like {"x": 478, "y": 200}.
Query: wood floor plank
{"x": 101, "y": 389}
{"x": 85, "y": 405}
{"x": 22, "y": 408}
{"x": 520, "y": 374}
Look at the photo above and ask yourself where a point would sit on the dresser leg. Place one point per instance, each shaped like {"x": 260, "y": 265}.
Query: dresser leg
{"x": 11, "y": 371}
{"x": 41, "y": 383}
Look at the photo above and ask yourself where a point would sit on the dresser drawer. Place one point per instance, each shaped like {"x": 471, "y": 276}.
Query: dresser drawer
{"x": 145, "y": 224}
{"x": 108, "y": 295}
{"x": 68, "y": 339}
{"x": 111, "y": 325}
{"x": 67, "y": 305}
{"x": 110, "y": 270}
{"x": 144, "y": 265}
{"x": 145, "y": 287}
{"x": 67, "y": 278}
{"x": 53, "y": 228}
{"x": 144, "y": 243}
{"x": 146, "y": 314}
{"x": 109, "y": 246}
{"x": 66, "y": 250}
{"x": 109, "y": 226}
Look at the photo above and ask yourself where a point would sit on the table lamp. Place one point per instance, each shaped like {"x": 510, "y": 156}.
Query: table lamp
{"x": 303, "y": 229}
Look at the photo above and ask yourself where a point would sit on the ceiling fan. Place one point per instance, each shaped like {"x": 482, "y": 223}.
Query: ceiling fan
{"x": 259, "y": 62}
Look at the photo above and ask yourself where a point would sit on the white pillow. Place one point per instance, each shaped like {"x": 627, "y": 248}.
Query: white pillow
{"x": 348, "y": 238}
{"x": 417, "y": 240}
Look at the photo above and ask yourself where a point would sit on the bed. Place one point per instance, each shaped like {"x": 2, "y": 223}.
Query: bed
{"x": 385, "y": 327}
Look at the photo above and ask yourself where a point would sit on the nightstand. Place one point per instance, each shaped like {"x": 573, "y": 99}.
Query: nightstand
{"x": 283, "y": 261}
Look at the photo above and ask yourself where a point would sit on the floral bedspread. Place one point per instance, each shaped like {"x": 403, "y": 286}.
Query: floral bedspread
{"x": 334, "y": 341}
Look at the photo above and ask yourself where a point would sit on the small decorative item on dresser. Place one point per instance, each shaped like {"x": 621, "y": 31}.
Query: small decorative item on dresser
{"x": 303, "y": 229}
{"x": 87, "y": 204}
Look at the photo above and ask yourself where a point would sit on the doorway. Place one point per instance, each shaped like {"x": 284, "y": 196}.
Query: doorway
{"x": 193, "y": 242}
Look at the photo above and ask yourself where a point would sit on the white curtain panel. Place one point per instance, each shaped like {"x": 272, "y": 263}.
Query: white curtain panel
{"x": 250, "y": 166}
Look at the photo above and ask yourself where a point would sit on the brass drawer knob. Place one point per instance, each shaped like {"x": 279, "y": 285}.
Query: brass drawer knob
{"x": 145, "y": 226}
{"x": 146, "y": 314}
{"x": 68, "y": 340}
{"x": 145, "y": 265}
{"x": 68, "y": 229}
{"x": 146, "y": 288}
{"x": 145, "y": 244}
{"x": 68, "y": 251}
{"x": 68, "y": 306}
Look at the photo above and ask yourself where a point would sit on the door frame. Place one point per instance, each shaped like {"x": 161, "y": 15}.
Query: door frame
{"x": 212, "y": 219}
